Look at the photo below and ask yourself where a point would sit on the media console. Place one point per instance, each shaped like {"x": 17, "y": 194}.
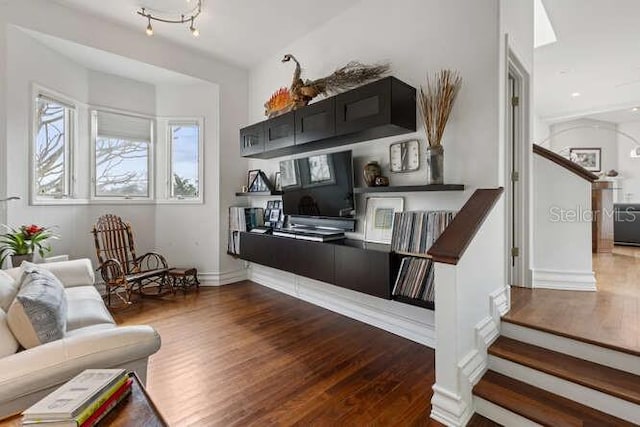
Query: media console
{"x": 365, "y": 267}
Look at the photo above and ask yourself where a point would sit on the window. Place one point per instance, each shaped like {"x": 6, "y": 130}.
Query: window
{"x": 122, "y": 155}
{"x": 185, "y": 170}
{"x": 53, "y": 141}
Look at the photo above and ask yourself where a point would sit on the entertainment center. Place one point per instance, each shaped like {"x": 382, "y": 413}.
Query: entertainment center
{"x": 318, "y": 190}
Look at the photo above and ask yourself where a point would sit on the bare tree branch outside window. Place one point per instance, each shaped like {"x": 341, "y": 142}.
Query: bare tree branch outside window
{"x": 50, "y": 150}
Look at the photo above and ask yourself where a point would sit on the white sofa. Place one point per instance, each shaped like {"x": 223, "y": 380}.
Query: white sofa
{"x": 93, "y": 340}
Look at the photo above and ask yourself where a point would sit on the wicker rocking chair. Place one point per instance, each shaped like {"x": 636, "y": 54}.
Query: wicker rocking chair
{"x": 122, "y": 271}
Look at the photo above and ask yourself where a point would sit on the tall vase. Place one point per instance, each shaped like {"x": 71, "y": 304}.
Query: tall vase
{"x": 16, "y": 260}
{"x": 371, "y": 171}
{"x": 435, "y": 165}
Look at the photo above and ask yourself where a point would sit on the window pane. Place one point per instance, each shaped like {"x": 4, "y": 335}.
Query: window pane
{"x": 122, "y": 167}
{"x": 185, "y": 160}
{"x": 51, "y": 148}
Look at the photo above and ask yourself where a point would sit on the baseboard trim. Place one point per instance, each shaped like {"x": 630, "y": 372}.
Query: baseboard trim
{"x": 414, "y": 323}
{"x": 500, "y": 415}
{"x": 564, "y": 280}
{"x": 449, "y": 408}
{"x": 223, "y": 278}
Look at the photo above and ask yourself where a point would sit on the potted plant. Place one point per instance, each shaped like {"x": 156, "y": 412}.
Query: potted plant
{"x": 436, "y": 102}
{"x": 21, "y": 243}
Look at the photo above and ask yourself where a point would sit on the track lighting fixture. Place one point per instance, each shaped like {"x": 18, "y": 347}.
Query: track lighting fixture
{"x": 189, "y": 18}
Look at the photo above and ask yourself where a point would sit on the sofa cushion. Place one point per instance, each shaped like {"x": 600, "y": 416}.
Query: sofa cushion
{"x": 38, "y": 314}
{"x": 85, "y": 308}
{"x": 8, "y": 343}
{"x": 8, "y": 290}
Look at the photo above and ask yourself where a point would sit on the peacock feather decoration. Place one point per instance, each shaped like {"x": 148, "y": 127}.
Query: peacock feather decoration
{"x": 301, "y": 92}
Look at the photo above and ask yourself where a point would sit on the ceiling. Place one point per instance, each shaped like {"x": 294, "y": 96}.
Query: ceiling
{"x": 241, "y": 32}
{"x": 597, "y": 55}
{"x": 106, "y": 62}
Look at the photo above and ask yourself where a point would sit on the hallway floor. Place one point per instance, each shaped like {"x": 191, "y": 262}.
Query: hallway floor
{"x": 609, "y": 317}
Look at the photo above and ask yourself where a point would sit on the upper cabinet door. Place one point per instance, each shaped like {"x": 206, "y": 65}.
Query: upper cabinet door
{"x": 252, "y": 139}
{"x": 279, "y": 132}
{"x": 364, "y": 108}
{"x": 316, "y": 121}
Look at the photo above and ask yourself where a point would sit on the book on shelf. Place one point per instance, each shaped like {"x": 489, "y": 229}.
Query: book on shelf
{"x": 242, "y": 219}
{"x": 413, "y": 235}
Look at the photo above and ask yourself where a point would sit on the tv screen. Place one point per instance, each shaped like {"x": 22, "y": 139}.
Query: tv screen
{"x": 318, "y": 186}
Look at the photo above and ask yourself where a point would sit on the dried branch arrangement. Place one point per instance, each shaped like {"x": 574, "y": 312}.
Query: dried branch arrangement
{"x": 436, "y": 103}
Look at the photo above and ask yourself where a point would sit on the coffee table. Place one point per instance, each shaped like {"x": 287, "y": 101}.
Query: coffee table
{"x": 135, "y": 410}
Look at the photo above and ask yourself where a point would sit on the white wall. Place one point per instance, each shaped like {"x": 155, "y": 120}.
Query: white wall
{"x": 562, "y": 224}
{"x": 586, "y": 136}
{"x": 541, "y": 132}
{"x": 628, "y": 167}
{"x": 76, "y": 26}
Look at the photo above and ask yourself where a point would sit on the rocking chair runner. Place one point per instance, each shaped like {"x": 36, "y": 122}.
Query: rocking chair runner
{"x": 120, "y": 268}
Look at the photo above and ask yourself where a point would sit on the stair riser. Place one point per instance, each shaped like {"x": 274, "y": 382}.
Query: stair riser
{"x": 593, "y": 353}
{"x": 586, "y": 396}
{"x": 501, "y": 415}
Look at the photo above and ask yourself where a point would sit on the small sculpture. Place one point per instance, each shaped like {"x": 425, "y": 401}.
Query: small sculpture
{"x": 301, "y": 92}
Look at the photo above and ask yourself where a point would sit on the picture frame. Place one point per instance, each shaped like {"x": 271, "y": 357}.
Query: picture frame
{"x": 251, "y": 176}
{"x": 379, "y": 217}
{"x": 271, "y": 204}
{"x": 277, "y": 181}
{"x": 588, "y": 158}
{"x": 289, "y": 174}
{"x": 274, "y": 215}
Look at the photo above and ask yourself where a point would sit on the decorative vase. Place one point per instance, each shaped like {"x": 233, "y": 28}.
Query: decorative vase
{"x": 372, "y": 170}
{"x": 16, "y": 260}
{"x": 435, "y": 165}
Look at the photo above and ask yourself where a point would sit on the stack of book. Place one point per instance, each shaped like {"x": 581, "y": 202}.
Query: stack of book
{"x": 415, "y": 279}
{"x": 415, "y": 232}
{"x": 413, "y": 235}
{"x": 242, "y": 219}
{"x": 82, "y": 401}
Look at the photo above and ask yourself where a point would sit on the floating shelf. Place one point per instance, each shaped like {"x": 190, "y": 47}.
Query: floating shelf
{"x": 409, "y": 188}
{"x": 413, "y": 301}
{"x": 259, "y": 193}
{"x": 417, "y": 255}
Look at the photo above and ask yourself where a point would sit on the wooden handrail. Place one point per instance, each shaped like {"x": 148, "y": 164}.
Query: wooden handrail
{"x": 565, "y": 163}
{"x": 458, "y": 235}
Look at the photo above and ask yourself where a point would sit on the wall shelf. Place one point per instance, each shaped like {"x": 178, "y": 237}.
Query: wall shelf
{"x": 259, "y": 193}
{"x": 413, "y": 301}
{"x": 409, "y": 188}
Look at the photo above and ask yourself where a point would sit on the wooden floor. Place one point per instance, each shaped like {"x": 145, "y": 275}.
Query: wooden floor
{"x": 247, "y": 355}
{"x": 609, "y": 317}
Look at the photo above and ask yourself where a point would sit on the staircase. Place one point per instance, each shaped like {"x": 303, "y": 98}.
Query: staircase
{"x": 540, "y": 378}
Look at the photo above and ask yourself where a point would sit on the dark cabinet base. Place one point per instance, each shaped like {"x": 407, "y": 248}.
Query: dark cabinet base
{"x": 355, "y": 265}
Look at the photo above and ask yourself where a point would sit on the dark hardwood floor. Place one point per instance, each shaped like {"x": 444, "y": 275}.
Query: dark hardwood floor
{"x": 247, "y": 355}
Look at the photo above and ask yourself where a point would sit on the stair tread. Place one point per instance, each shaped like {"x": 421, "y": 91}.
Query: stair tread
{"x": 539, "y": 405}
{"x": 614, "y": 382}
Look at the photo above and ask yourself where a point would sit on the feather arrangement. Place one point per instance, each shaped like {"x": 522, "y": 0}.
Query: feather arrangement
{"x": 301, "y": 92}
{"x": 436, "y": 103}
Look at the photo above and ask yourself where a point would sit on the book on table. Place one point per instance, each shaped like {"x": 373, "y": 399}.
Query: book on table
{"x": 79, "y": 399}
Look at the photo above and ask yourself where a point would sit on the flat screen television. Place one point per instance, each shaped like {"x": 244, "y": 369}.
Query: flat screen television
{"x": 318, "y": 186}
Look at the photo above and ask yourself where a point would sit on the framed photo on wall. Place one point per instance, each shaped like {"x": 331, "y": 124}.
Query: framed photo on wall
{"x": 378, "y": 226}
{"x": 588, "y": 158}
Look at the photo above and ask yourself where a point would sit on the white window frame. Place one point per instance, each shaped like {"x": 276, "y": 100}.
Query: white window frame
{"x": 97, "y": 199}
{"x": 170, "y": 122}
{"x": 71, "y": 141}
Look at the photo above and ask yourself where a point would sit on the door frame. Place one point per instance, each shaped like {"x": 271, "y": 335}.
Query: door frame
{"x": 518, "y": 151}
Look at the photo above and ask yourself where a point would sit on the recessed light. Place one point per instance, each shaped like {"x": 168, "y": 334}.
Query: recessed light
{"x": 575, "y": 94}
{"x": 635, "y": 109}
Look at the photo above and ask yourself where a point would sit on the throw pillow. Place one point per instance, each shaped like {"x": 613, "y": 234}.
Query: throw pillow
{"x": 38, "y": 314}
{"x": 8, "y": 290}
{"x": 8, "y": 343}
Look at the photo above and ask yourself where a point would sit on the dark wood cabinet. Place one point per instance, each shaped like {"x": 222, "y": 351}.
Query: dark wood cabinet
{"x": 362, "y": 270}
{"x": 379, "y": 109}
{"x": 252, "y": 140}
{"x": 279, "y": 132}
{"x": 316, "y": 121}
{"x": 349, "y": 264}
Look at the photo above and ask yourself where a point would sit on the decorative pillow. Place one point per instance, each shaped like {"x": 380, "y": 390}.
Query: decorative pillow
{"x": 38, "y": 314}
{"x": 8, "y": 343}
{"x": 8, "y": 290}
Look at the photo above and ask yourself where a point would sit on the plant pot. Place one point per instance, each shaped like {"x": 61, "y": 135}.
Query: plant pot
{"x": 371, "y": 171}
{"x": 435, "y": 165}
{"x": 16, "y": 260}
